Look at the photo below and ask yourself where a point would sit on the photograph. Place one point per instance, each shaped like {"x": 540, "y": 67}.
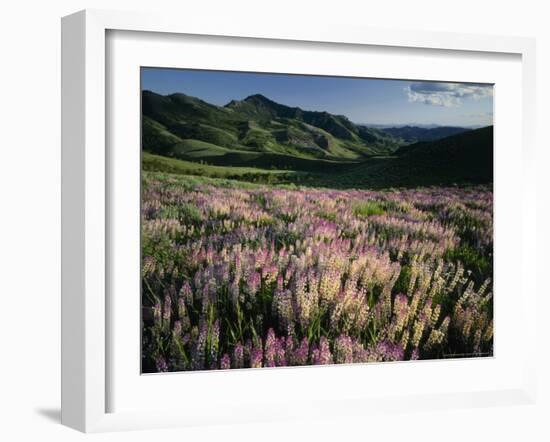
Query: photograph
{"x": 302, "y": 220}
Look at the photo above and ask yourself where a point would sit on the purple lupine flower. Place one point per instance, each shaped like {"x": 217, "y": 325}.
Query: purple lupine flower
{"x": 388, "y": 351}
{"x": 401, "y": 311}
{"x": 167, "y": 309}
{"x": 415, "y": 354}
{"x": 256, "y": 356}
{"x": 289, "y": 344}
{"x": 360, "y": 354}
{"x": 161, "y": 364}
{"x": 177, "y": 329}
{"x": 197, "y": 282}
{"x": 343, "y": 350}
{"x": 157, "y": 313}
{"x": 301, "y": 353}
{"x": 234, "y": 290}
{"x": 280, "y": 353}
{"x": 303, "y": 300}
{"x": 322, "y": 354}
{"x": 280, "y": 283}
{"x": 214, "y": 343}
{"x": 282, "y": 304}
{"x": 238, "y": 356}
{"x": 205, "y": 299}
{"x": 225, "y": 362}
{"x": 199, "y": 352}
{"x": 182, "y": 314}
{"x": 238, "y": 266}
{"x": 186, "y": 293}
{"x": 270, "y": 348}
{"x": 182, "y": 310}
{"x": 253, "y": 283}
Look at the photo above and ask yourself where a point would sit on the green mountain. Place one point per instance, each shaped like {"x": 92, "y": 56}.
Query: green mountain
{"x": 413, "y": 134}
{"x": 466, "y": 158}
{"x": 255, "y": 131}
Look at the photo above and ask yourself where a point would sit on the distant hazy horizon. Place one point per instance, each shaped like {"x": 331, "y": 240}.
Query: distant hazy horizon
{"x": 374, "y": 102}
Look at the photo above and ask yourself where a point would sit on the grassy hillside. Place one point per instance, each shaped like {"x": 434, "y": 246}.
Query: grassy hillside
{"x": 414, "y": 134}
{"x": 256, "y": 124}
{"x": 157, "y": 163}
{"x": 461, "y": 159}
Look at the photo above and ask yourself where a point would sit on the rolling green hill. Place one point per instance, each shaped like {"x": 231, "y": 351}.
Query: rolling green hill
{"x": 414, "y": 134}
{"x": 466, "y": 158}
{"x": 158, "y": 163}
{"x": 255, "y": 124}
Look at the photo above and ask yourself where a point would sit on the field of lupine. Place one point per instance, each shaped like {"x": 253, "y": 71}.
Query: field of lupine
{"x": 236, "y": 275}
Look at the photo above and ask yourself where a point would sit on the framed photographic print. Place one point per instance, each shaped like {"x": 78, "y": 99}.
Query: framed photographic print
{"x": 258, "y": 217}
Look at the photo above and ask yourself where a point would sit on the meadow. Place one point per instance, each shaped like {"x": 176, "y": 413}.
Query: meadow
{"x": 239, "y": 274}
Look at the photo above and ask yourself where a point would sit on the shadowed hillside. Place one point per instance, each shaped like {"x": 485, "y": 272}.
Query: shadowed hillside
{"x": 413, "y": 134}
{"x": 466, "y": 158}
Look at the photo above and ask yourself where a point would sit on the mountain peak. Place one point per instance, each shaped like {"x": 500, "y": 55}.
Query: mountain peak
{"x": 254, "y": 100}
{"x": 259, "y": 98}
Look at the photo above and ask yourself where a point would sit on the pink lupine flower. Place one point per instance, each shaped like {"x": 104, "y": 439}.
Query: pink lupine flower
{"x": 186, "y": 293}
{"x": 322, "y": 355}
{"x": 401, "y": 310}
{"x": 280, "y": 353}
{"x": 388, "y": 351}
{"x": 157, "y": 313}
{"x": 225, "y": 362}
{"x": 177, "y": 330}
{"x": 182, "y": 310}
{"x": 360, "y": 354}
{"x": 270, "y": 348}
{"x": 253, "y": 283}
{"x": 282, "y": 305}
{"x": 343, "y": 350}
{"x": 238, "y": 356}
{"x": 214, "y": 343}
{"x": 199, "y": 353}
{"x": 256, "y": 356}
{"x": 167, "y": 309}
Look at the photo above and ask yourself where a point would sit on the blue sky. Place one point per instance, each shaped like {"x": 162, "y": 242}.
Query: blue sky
{"x": 365, "y": 101}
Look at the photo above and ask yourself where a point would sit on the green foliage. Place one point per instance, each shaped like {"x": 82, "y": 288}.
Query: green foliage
{"x": 329, "y": 216}
{"x": 369, "y": 208}
{"x": 169, "y": 165}
{"x": 479, "y": 263}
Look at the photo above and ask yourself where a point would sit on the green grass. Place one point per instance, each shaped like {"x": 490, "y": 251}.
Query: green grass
{"x": 205, "y": 132}
{"x": 479, "y": 263}
{"x": 157, "y": 163}
{"x": 369, "y": 208}
{"x": 197, "y": 149}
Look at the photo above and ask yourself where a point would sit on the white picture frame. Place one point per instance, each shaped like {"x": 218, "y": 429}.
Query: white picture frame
{"x": 86, "y": 206}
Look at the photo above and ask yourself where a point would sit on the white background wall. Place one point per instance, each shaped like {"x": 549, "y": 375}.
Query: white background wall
{"x": 30, "y": 215}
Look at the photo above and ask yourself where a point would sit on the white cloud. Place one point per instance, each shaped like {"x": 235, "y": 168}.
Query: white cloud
{"x": 446, "y": 94}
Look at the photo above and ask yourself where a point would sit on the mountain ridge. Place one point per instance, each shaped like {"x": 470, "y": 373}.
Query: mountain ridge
{"x": 256, "y": 124}
{"x": 259, "y": 133}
